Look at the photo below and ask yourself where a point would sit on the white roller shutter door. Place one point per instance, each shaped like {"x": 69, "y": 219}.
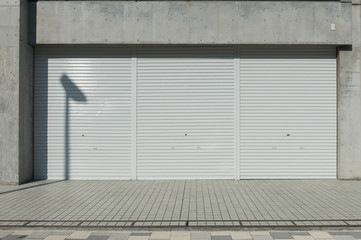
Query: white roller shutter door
{"x": 288, "y": 112}
{"x": 186, "y": 113}
{"x": 91, "y": 137}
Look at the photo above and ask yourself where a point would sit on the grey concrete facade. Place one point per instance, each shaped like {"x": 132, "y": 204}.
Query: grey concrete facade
{"x": 349, "y": 105}
{"x": 193, "y": 22}
{"x": 25, "y": 98}
{"x": 170, "y": 22}
{"x": 16, "y": 93}
{"x": 9, "y": 79}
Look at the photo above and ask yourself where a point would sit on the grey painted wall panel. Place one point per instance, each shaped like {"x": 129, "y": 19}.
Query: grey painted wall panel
{"x": 206, "y": 22}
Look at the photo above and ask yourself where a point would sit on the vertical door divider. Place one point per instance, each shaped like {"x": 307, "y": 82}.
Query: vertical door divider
{"x": 134, "y": 113}
{"x": 237, "y": 117}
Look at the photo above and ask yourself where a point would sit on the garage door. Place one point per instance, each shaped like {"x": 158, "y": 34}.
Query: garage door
{"x": 288, "y": 112}
{"x": 185, "y": 112}
{"x": 83, "y": 113}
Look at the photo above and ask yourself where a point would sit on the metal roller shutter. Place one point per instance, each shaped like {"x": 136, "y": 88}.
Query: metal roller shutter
{"x": 287, "y": 112}
{"x": 83, "y": 113}
{"x": 186, "y": 112}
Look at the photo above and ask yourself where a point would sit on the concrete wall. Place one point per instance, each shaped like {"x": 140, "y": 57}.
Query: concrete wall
{"x": 25, "y": 98}
{"x": 224, "y": 22}
{"x": 9, "y": 85}
{"x": 193, "y": 22}
{"x": 16, "y": 96}
{"x": 170, "y": 22}
{"x": 349, "y": 102}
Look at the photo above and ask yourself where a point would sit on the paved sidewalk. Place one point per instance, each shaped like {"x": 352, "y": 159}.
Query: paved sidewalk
{"x": 183, "y": 203}
{"x": 233, "y": 235}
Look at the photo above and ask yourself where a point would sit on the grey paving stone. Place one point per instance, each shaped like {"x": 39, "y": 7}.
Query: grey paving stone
{"x": 354, "y": 223}
{"x": 281, "y": 235}
{"x": 343, "y": 237}
{"x": 37, "y": 235}
{"x": 4, "y": 234}
{"x": 98, "y": 237}
{"x": 299, "y": 233}
{"x": 200, "y": 235}
{"x": 356, "y": 234}
{"x": 58, "y": 232}
{"x": 221, "y": 238}
{"x": 262, "y": 238}
{"x": 339, "y": 233}
{"x": 119, "y": 236}
{"x": 140, "y": 234}
{"x": 14, "y": 237}
{"x": 102, "y": 233}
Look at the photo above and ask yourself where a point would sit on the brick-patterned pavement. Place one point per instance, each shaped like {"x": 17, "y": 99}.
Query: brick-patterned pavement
{"x": 177, "y": 235}
{"x": 182, "y": 203}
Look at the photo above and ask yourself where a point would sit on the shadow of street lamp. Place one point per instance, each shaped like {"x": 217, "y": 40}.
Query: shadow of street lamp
{"x": 74, "y": 93}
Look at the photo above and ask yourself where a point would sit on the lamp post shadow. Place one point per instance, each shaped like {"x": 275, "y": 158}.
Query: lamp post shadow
{"x": 74, "y": 93}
